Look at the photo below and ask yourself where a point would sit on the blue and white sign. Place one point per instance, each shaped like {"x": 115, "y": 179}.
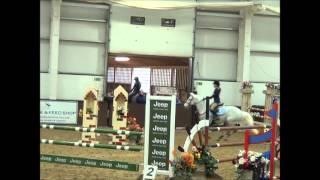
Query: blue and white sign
{"x": 58, "y": 112}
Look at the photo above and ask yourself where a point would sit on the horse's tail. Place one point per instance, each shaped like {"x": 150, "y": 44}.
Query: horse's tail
{"x": 248, "y": 120}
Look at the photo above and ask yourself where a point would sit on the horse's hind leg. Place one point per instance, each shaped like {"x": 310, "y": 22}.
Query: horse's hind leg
{"x": 223, "y": 133}
{"x": 229, "y": 133}
{"x": 220, "y": 137}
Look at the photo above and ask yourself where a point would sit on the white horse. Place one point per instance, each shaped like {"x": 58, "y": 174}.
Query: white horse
{"x": 230, "y": 115}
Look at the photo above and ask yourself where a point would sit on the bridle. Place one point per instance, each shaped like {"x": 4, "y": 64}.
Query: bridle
{"x": 189, "y": 103}
{"x": 189, "y": 100}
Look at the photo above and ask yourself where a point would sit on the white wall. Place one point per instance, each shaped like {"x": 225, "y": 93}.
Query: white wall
{"x": 258, "y": 98}
{"x": 151, "y": 38}
{"x": 44, "y": 55}
{"x": 216, "y": 44}
{"x": 86, "y": 58}
{"x": 265, "y": 33}
{"x": 83, "y": 31}
{"x": 44, "y": 85}
{"x": 265, "y": 49}
{"x": 73, "y": 87}
{"x": 215, "y": 64}
{"x": 82, "y": 49}
{"x": 45, "y": 11}
{"x": 207, "y": 19}
{"x": 265, "y": 67}
{"x": 93, "y": 11}
{"x": 86, "y": 52}
{"x": 216, "y": 39}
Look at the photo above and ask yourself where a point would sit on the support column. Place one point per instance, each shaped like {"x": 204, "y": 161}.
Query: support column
{"x": 54, "y": 48}
{"x": 246, "y": 91}
{"x": 270, "y": 92}
{"x": 244, "y": 46}
{"x": 190, "y": 84}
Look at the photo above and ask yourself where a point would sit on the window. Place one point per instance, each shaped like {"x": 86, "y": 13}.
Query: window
{"x": 157, "y": 77}
{"x": 123, "y": 75}
{"x": 110, "y": 74}
{"x": 161, "y": 77}
{"x": 144, "y": 77}
{"x": 174, "y": 74}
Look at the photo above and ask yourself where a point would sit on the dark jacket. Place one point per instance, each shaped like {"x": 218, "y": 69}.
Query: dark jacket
{"x": 216, "y": 95}
{"x": 136, "y": 87}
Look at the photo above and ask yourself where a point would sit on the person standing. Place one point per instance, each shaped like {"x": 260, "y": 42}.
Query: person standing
{"x": 135, "y": 89}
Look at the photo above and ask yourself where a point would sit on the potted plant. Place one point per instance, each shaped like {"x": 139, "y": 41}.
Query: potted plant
{"x": 133, "y": 125}
{"x": 254, "y": 167}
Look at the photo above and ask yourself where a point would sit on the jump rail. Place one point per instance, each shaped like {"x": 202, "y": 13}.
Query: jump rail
{"x": 237, "y": 128}
{"x": 225, "y": 145}
{"x": 92, "y": 145}
{"x": 96, "y": 130}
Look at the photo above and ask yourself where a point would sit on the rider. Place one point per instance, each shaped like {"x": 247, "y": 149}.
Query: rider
{"x": 216, "y": 99}
{"x": 136, "y": 88}
{"x": 216, "y": 93}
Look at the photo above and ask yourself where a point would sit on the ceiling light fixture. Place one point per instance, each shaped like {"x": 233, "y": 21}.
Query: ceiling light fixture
{"x": 122, "y": 58}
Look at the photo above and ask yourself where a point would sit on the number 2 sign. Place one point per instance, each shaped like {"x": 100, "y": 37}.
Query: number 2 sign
{"x": 150, "y": 172}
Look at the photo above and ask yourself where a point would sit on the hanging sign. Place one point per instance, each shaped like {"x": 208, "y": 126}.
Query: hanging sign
{"x": 58, "y": 112}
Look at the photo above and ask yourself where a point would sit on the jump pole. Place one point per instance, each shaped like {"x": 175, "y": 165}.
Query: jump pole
{"x": 92, "y": 145}
{"x": 225, "y": 145}
{"x": 273, "y": 139}
{"x": 207, "y": 128}
{"x": 246, "y": 146}
{"x": 96, "y": 130}
{"x": 236, "y": 128}
{"x": 225, "y": 160}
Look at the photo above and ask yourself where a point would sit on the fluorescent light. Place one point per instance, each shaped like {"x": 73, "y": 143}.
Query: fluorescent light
{"x": 122, "y": 58}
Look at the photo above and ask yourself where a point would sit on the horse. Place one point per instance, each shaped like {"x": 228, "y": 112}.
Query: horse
{"x": 226, "y": 115}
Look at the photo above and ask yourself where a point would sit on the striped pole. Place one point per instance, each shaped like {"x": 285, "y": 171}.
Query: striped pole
{"x": 226, "y": 160}
{"x": 237, "y": 128}
{"x": 96, "y": 130}
{"x": 246, "y": 146}
{"x": 273, "y": 139}
{"x": 225, "y": 145}
{"x": 257, "y": 109}
{"x": 92, "y": 145}
{"x": 207, "y": 128}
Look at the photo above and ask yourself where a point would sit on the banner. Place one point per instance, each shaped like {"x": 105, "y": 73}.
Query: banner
{"x": 89, "y": 162}
{"x": 160, "y": 132}
{"x": 58, "y": 112}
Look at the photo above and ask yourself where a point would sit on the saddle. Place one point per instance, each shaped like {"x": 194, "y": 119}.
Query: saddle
{"x": 216, "y": 110}
{"x": 215, "y": 106}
